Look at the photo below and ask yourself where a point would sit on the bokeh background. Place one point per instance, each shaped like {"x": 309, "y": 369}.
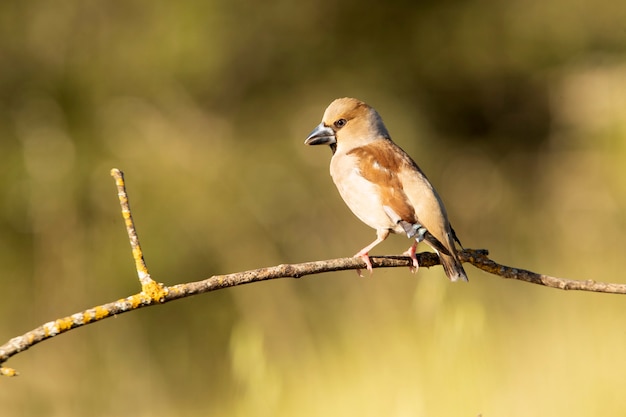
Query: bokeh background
{"x": 516, "y": 110}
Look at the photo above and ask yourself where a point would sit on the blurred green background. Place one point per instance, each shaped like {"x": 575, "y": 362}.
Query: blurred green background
{"x": 516, "y": 110}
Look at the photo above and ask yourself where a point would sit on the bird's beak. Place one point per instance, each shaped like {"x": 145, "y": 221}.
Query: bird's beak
{"x": 321, "y": 135}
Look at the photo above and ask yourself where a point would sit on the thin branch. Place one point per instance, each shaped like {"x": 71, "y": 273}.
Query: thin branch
{"x": 153, "y": 293}
{"x": 148, "y": 285}
{"x": 481, "y": 261}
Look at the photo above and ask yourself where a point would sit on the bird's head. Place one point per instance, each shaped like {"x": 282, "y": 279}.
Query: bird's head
{"x": 349, "y": 123}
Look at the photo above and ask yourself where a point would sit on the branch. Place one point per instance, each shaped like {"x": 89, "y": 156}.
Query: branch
{"x": 154, "y": 293}
{"x": 149, "y": 287}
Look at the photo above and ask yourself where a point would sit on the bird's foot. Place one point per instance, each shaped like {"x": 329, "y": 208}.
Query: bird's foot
{"x": 410, "y": 252}
{"x": 365, "y": 257}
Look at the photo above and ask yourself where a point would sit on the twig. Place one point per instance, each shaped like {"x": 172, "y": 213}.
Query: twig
{"x": 149, "y": 287}
{"x": 481, "y": 261}
{"x": 154, "y": 293}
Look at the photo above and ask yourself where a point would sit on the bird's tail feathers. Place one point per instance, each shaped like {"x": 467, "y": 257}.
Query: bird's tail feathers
{"x": 452, "y": 267}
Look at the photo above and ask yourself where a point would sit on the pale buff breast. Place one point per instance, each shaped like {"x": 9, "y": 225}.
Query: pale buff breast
{"x": 359, "y": 194}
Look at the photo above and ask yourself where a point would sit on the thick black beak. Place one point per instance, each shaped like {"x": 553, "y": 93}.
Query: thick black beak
{"x": 321, "y": 135}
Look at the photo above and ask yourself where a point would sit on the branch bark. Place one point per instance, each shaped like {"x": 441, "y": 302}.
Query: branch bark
{"x": 154, "y": 293}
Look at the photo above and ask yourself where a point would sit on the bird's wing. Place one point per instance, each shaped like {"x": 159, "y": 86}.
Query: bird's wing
{"x": 427, "y": 204}
{"x": 456, "y": 239}
{"x": 385, "y": 164}
{"x": 380, "y": 167}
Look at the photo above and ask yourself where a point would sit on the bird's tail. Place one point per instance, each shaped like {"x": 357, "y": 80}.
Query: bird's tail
{"x": 452, "y": 266}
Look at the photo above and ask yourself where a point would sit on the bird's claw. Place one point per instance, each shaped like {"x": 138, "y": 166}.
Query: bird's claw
{"x": 365, "y": 257}
{"x": 410, "y": 252}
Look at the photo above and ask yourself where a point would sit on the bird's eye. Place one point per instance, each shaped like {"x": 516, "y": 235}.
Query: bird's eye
{"x": 340, "y": 123}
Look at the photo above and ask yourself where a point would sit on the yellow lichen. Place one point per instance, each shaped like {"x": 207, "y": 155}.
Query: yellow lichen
{"x": 155, "y": 291}
{"x": 134, "y": 300}
{"x": 64, "y": 324}
{"x": 100, "y": 313}
{"x": 138, "y": 257}
{"x": 8, "y": 371}
{"x": 50, "y": 329}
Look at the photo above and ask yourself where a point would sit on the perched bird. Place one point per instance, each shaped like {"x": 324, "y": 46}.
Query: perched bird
{"x": 382, "y": 185}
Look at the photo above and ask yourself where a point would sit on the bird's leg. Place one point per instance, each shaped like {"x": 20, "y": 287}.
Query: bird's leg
{"x": 364, "y": 253}
{"x": 411, "y": 252}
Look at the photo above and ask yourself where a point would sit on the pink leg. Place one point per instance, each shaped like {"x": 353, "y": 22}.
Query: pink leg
{"x": 411, "y": 252}
{"x": 363, "y": 253}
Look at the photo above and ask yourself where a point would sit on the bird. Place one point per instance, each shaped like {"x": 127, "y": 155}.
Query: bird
{"x": 382, "y": 185}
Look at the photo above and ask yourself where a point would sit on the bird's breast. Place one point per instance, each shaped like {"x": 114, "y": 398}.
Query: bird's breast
{"x": 361, "y": 196}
